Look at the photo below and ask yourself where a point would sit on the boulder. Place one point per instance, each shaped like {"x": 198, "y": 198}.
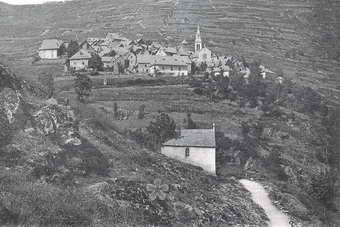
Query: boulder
{"x": 294, "y": 206}
{"x": 55, "y": 119}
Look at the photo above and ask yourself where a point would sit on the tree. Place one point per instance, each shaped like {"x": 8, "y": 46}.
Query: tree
{"x": 162, "y": 129}
{"x": 190, "y": 123}
{"x": 115, "y": 110}
{"x": 47, "y": 82}
{"x": 72, "y": 48}
{"x": 82, "y": 87}
{"x": 96, "y": 62}
{"x": 141, "y": 111}
{"x": 203, "y": 67}
{"x": 193, "y": 68}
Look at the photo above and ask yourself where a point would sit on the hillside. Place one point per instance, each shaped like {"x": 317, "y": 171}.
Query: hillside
{"x": 297, "y": 37}
{"x": 79, "y": 164}
{"x": 66, "y": 173}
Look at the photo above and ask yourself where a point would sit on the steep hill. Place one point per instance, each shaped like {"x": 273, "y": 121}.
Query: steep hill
{"x": 56, "y": 172}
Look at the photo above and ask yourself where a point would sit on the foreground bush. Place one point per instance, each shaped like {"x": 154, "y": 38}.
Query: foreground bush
{"x": 25, "y": 202}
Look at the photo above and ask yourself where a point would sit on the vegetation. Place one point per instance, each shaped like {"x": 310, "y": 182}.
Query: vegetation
{"x": 82, "y": 87}
{"x": 47, "y": 82}
{"x": 96, "y": 63}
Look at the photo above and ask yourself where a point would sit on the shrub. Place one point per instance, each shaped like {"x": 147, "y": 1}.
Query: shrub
{"x": 83, "y": 87}
{"x": 47, "y": 82}
{"x": 26, "y": 203}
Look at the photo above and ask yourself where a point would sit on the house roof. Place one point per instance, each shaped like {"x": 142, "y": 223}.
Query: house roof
{"x": 115, "y": 36}
{"x": 171, "y": 50}
{"x": 145, "y": 59}
{"x": 194, "y": 138}
{"x": 81, "y": 54}
{"x": 50, "y": 44}
{"x": 108, "y": 59}
{"x": 163, "y": 60}
{"x": 171, "y": 60}
{"x": 183, "y": 51}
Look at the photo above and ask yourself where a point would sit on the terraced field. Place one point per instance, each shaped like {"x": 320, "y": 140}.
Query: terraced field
{"x": 298, "y": 37}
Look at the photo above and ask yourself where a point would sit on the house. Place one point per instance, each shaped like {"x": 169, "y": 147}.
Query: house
{"x": 182, "y": 51}
{"x": 86, "y": 46}
{"x": 176, "y": 65}
{"x": 169, "y": 51}
{"x": 194, "y": 146}
{"x": 144, "y": 62}
{"x": 108, "y": 62}
{"x": 80, "y": 60}
{"x": 50, "y": 49}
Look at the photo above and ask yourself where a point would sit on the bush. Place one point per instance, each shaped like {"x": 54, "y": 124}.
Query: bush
{"x": 83, "y": 87}
{"x": 26, "y": 203}
{"x": 47, "y": 82}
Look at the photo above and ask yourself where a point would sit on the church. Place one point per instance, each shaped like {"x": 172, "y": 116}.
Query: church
{"x": 202, "y": 54}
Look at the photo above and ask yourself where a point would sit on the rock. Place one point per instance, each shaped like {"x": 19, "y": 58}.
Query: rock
{"x": 10, "y": 105}
{"x": 294, "y": 206}
{"x": 56, "y": 120}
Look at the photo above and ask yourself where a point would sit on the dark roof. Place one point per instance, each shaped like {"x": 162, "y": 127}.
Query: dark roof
{"x": 171, "y": 50}
{"x": 145, "y": 59}
{"x": 50, "y": 44}
{"x": 81, "y": 54}
{"x": 194, "y": 138}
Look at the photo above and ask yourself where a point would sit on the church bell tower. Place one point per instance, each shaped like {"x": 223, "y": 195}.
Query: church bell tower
{"x": 198, "y": 40}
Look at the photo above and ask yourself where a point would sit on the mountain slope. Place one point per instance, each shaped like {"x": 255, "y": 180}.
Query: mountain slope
{"x": 297, "y": 37}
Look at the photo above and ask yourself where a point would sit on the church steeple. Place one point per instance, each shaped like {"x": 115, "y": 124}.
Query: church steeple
{"x": 198, "y": 40}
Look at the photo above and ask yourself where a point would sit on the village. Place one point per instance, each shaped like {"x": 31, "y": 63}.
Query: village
{"x": 119, "y": 55}
{"x": 116, "y": 55}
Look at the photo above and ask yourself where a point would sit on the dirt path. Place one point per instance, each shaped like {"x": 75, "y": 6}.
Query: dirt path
{"x": 260, "y": 196}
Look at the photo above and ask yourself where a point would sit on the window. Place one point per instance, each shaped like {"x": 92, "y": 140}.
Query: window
{"x": 172, "y": 68}
{"x": 198, "y": 46}
{"x": 187, "y": 152}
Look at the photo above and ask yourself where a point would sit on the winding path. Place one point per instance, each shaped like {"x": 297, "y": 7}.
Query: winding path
{"x": 260, "y": 197}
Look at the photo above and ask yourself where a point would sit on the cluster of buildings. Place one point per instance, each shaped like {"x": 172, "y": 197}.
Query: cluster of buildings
{"x": 119, "y": 54}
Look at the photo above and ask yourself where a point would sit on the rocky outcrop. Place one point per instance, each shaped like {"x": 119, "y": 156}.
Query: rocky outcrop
{"x": 10, "y": 104}
{"x": 57, "y": 120}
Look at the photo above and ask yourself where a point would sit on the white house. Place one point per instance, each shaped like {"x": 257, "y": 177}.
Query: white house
{"x": 80, "y": 60}
{"x": 194, "y": 146}
{"x": 50, "y": 49}
{"x": 175, "y": 65}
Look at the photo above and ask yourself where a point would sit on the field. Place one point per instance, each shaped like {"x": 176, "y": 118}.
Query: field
{"x": 176, "y": 100}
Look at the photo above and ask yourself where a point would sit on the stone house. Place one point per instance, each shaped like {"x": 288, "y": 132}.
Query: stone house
{"x": 50, "y": 49}
{"x": 175, "y": 65}
{"x": 194, "y": 146}
{"x": 80, "y": 60}
{"x": 144, "y": 62}
{"x": 108, "y": 62}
